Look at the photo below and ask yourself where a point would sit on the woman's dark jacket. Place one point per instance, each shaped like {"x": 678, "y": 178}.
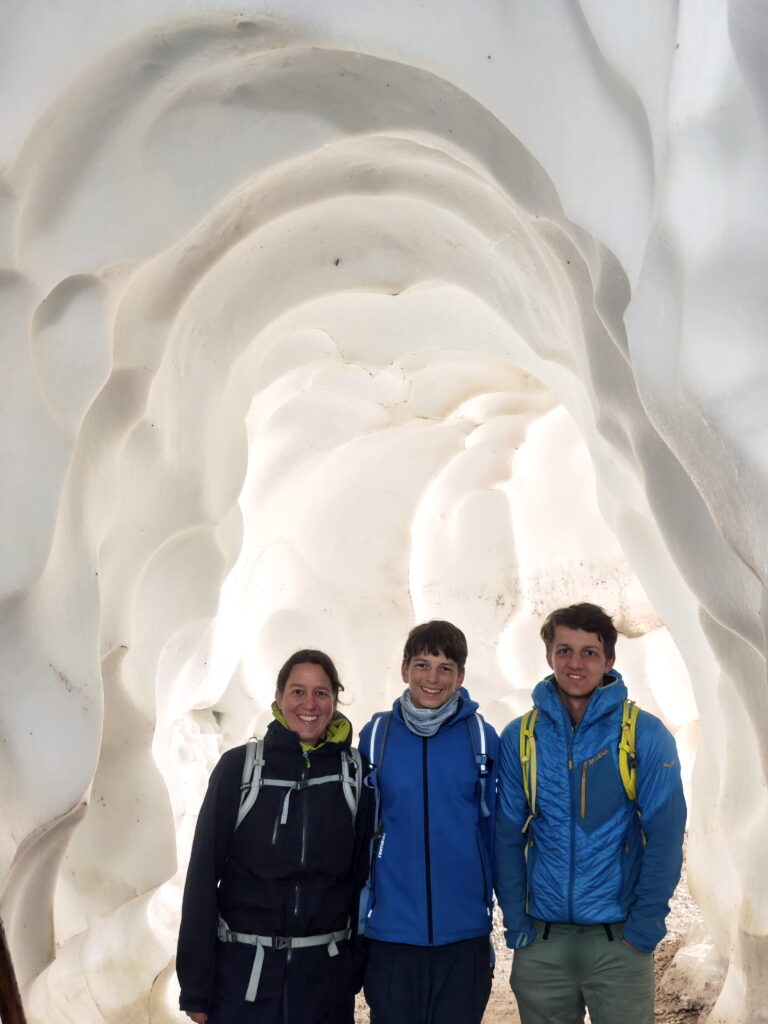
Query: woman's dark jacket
{"x": 297, "y": 879}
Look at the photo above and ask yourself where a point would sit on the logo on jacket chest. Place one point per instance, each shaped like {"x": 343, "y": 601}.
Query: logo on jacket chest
{"x": 592, "y": 760}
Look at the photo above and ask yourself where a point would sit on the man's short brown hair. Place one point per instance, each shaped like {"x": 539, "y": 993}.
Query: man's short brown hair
{"x": 590, "y": 618}
{"x": 434, "y": 637}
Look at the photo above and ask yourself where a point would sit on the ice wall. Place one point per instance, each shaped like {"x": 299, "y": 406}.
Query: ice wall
{"x": 321, "y": 318}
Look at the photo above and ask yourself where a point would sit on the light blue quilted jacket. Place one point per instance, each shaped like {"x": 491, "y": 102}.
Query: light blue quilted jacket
{"x": 587, "y": 861}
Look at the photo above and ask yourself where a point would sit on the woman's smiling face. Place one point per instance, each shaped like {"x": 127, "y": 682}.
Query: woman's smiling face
{"x": 307, "y": 702}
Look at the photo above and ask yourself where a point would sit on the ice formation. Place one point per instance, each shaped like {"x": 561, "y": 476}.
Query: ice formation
{"x": 319, "y": 318}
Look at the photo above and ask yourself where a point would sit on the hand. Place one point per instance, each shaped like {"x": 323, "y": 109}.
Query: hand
{"x": 198, "y": 1018}
{"x": 631, "y": 946}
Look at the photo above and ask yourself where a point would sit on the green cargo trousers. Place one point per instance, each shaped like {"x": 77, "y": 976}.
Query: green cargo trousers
{"x": 578, "y": 966}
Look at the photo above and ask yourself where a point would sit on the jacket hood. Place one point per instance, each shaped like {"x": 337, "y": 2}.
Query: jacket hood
{"x": 604, "y": 699}
{"x": 467, "y": 707}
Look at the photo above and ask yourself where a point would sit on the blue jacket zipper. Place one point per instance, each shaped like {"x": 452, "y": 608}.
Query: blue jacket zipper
{"x": 427, "y": 865}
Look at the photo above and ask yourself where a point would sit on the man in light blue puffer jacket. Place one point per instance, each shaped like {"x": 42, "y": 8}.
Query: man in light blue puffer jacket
{"x": 585, "y": 888}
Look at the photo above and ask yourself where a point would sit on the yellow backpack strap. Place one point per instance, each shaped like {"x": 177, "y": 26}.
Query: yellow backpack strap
{"x": 528, "y": 762}
{"x": 627, "y": 758}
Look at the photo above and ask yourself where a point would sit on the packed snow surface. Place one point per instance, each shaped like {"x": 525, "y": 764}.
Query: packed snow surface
{"x": 322, "y": 319}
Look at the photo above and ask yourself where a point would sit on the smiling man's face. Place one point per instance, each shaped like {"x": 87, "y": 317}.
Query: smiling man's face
{"x": 432, "y": 679}
{"x": 578, "y": 661}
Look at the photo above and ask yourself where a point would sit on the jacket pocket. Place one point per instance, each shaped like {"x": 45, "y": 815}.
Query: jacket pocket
{"x": 601, "y": 792}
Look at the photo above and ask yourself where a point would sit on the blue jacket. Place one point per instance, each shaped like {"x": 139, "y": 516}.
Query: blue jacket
{"x": 431, "y": 875}
{"x": 587, "y": 863}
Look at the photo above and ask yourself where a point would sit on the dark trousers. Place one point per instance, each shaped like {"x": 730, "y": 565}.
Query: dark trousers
{"x": 297, "y": 986}
{"x": 428, "y": 984}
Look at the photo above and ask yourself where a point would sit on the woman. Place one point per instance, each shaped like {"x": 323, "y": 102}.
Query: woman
{"x": 269, "y": 898}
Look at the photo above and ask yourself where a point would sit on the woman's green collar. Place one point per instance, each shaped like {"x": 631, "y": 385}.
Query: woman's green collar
{"x": 337, "y": 732}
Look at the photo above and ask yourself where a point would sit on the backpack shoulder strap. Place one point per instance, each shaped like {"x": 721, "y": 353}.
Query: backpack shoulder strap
{"x": 379, "y": 739}
{"x": 481, "y": 756}
{"x": 528, "y": 761}
{"x": 627, "y": 757}
{"x": 375, "y": 759}
{"x": 351, "y": 782}
{"x": 251, "y": 781}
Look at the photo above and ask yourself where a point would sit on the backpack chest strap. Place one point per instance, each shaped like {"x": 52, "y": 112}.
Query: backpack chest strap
{"x": 294, "y": 785}
{"x": 253, "y": 780}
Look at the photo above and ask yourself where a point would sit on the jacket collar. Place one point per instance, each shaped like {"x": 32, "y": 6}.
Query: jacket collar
{"x": 339, "y": 730}
{"x": 604, "y": 699}
{"x": 467, "y": 707}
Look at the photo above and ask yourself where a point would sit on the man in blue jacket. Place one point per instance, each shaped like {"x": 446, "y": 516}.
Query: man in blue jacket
{"x": 428, "y": 917}
{"x": 585, "y": 875}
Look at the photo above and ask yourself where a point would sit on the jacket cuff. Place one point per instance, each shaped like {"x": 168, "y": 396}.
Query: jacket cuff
{"x": 193, "y": 1005}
